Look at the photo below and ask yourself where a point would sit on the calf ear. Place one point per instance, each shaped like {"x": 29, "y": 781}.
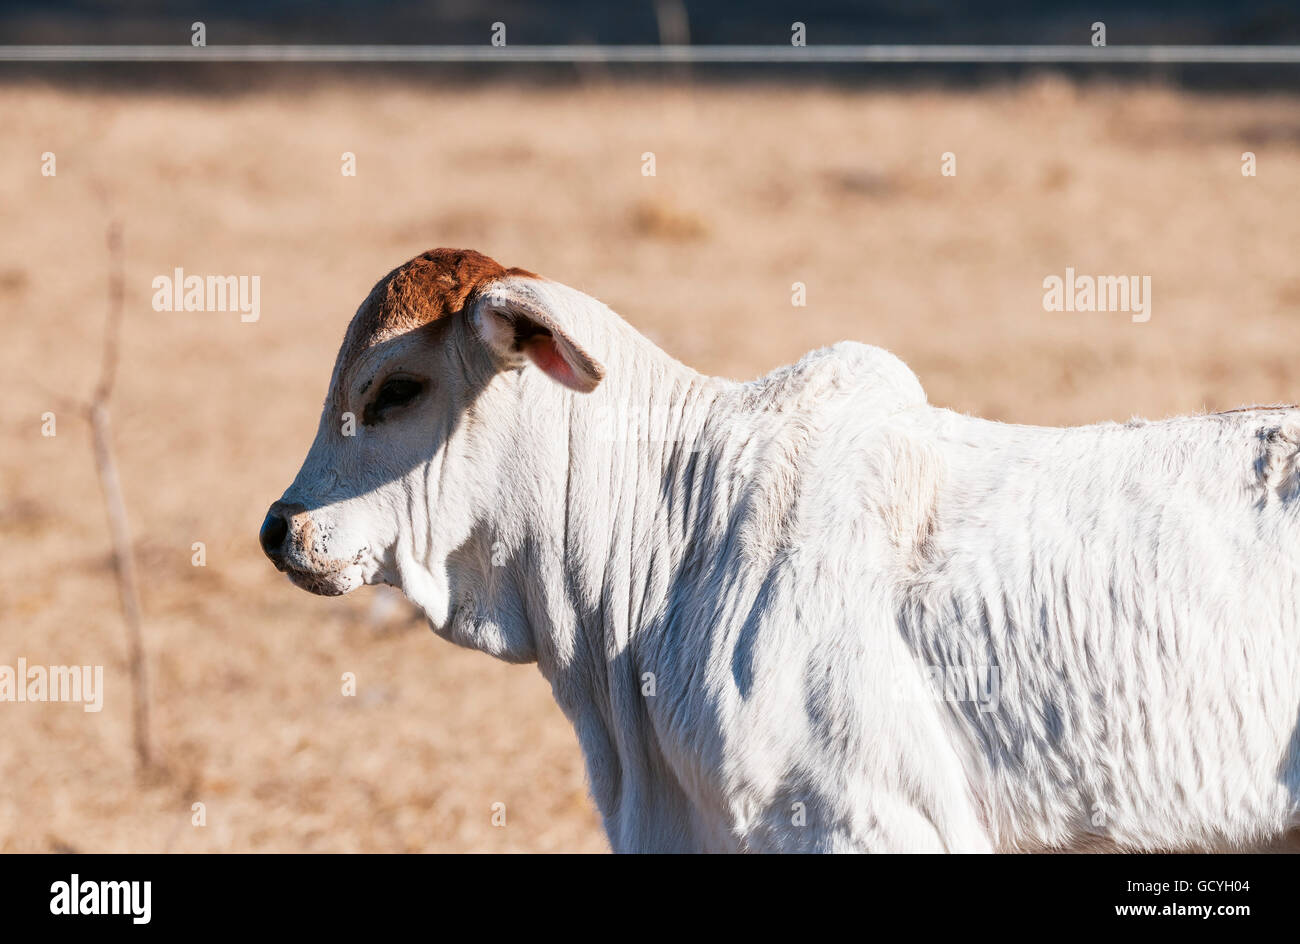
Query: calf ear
{"x": 520, "y": 323}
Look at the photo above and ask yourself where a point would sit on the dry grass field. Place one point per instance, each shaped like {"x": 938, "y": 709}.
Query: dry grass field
{"x": 757, "y": 187}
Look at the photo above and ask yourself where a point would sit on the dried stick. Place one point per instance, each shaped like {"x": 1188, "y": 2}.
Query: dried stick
{"x": 119, "y": 528}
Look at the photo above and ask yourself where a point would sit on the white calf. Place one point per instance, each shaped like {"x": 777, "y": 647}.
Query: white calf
{"x": 813, "y": 612}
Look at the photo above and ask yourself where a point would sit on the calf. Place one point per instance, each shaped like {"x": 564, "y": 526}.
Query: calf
{"x": 813, "y": 612}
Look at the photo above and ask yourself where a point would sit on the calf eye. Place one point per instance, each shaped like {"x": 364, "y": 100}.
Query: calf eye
{"x": 396, "y": 392}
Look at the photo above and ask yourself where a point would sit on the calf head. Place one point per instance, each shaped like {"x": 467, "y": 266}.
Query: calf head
{"x": 418, "y": 425}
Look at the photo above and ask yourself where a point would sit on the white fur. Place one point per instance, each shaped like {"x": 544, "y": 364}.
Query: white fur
{"x": 789, "y": 560}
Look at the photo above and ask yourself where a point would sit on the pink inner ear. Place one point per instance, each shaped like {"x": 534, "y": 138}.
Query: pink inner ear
{"x": 545, "y": 353}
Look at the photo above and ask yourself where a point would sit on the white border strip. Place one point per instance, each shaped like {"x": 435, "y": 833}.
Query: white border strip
{"x": 1187, "y": 55}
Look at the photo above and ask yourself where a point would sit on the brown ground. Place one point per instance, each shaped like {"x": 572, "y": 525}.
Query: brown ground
{"x": 757, "y": 188}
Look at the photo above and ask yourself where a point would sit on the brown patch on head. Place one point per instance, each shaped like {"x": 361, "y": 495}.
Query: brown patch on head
{"x": 427, "y": 290}
{"x": 434, "y": 285}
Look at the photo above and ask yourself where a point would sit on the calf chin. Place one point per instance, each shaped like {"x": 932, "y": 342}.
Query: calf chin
{"x": 333, "y": 584}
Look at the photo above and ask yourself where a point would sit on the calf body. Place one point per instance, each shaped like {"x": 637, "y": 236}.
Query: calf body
{"x": 813, "y": 612}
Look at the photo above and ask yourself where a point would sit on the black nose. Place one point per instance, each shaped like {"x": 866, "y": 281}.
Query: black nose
{"x": 274, "y": 530}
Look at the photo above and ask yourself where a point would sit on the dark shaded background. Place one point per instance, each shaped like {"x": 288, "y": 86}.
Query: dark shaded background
{"x": 710, "y": 22}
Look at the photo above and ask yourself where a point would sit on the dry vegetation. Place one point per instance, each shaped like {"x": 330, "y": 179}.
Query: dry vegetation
{"x": 757, "y": 188}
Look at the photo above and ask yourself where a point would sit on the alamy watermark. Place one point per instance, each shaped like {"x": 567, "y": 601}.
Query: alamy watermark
{"x": 78, "y": 684}
{"x": 978, "y": 684}
{"x": 78, "y": 897}
{"x": 181, "y": 292}
{"x": 635, "y": 423}
{"x": 1129, "y": 293}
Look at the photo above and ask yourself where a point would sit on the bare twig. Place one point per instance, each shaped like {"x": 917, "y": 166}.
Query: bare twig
{"x": 674, "y": 30}
{"x": 116, "y": 294}
{"x": 119, "y": 529}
